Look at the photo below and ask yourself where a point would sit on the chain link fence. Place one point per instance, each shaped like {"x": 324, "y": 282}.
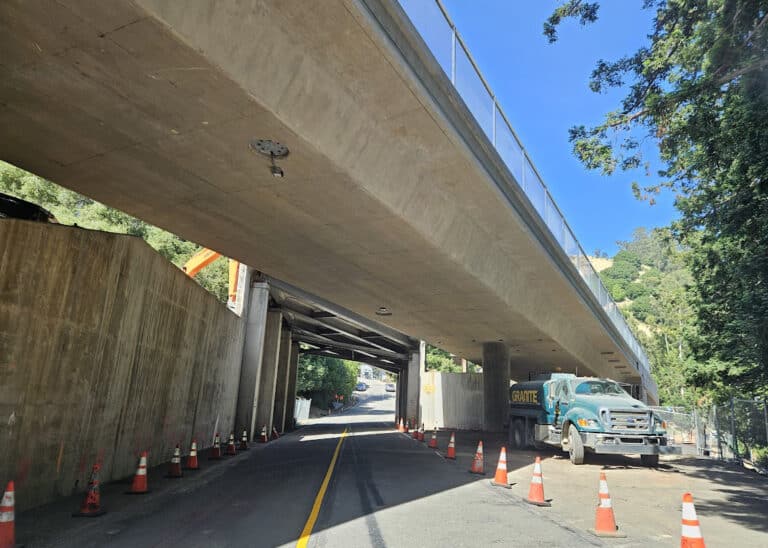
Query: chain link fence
{"x": 736, "y": 431}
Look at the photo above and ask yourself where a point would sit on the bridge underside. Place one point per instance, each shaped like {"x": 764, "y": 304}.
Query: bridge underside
{"x": 150, "y": 105}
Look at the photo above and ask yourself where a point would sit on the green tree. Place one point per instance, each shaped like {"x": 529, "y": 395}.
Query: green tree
{"x": 440, "y": 360}
{"x": 321, "y": 378}
{"x": 698, "y": 89}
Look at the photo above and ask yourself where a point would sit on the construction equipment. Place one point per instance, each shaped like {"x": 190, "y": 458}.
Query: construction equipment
{"x": 206, "y": 256}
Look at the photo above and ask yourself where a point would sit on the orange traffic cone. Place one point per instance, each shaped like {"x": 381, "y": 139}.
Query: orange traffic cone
{"x": 415, "y": 434}
{"x": 605, "y": 523}
{"x": 231, "y": 449}
{"x": 451, "y": 454}
{"x": 433, "y": 442}
{"x": 244, "y": 441}
{"x": 139, "y": 485}
{"x": 400, "y": 426}
{"x": 216, "y": 449}
{"x": 407, "y": 425}
{"x": 421, "y": 432}
{"x": 174, "y": 470}
{"x": 691, "y": 533}
{"x": 7, "y": 527}
{"x": 536, "y": 491}
{"x": 275, "y": 435}
{"x": 478, "y": 467}
{"x": 500, "y": 477}
{"x": 91, "y": 506}
{"x": 263, "y": 438}
{"x": 192, "y": 463}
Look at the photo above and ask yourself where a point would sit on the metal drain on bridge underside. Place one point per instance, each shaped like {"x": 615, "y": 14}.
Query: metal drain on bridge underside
{"x": 268, "y": 147}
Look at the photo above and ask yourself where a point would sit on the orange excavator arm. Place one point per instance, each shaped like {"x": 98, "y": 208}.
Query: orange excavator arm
{"x": 206, "y": 256}
{"x": 199, "y": 261}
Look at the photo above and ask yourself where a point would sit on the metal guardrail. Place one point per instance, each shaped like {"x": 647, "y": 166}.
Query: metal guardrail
{"x": 438, "y": 31}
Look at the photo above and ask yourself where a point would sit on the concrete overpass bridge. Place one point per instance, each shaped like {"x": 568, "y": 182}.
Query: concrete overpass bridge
{"x": 407, "y": 199}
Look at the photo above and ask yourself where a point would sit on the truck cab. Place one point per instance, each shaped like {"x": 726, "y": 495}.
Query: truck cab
{"x": 582, "y": 415}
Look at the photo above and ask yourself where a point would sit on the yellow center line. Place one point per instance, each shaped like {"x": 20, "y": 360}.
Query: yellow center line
{"x": 304, "y": 538}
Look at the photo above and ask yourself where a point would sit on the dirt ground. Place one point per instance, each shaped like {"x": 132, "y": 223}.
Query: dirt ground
{"x": 731, "y": 502}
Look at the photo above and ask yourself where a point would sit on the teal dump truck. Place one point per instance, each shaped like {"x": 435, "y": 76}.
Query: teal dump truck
{"x": 582, "y": 415}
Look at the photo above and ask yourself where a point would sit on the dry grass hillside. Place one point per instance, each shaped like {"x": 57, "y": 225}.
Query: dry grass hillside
{"x": 600, "y": 263}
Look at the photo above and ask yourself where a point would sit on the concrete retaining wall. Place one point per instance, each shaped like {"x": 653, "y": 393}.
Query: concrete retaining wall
{"x": 106, "y": 349}
{"x": 452, "y": 400}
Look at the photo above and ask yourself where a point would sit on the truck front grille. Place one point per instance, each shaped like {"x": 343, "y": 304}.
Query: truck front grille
{"x": 629, "y": 421}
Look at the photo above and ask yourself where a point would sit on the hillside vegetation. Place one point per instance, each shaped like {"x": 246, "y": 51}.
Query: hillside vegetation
{"x": 651, "y": 281}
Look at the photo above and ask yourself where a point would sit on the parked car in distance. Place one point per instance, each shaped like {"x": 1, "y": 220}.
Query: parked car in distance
{"x": 389, "y": 387}
{"x": 361, "y": 387}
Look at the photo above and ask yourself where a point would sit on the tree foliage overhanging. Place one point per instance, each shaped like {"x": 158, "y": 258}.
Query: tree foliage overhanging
{"x": 699, "y": 90}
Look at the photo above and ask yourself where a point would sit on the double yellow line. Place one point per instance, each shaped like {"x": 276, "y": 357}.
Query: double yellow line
{"x": 304, "y": 538}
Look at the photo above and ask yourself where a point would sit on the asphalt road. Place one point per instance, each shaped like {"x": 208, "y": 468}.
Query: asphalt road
{"x": 386, "y": 489}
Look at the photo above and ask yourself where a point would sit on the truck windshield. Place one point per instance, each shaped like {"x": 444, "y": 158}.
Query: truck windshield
{"x": 598, "y": 388}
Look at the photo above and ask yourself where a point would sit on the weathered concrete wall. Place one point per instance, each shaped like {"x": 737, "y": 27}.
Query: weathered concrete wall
{"x": 106, "y": 349}
{"x": 452, "y": 400}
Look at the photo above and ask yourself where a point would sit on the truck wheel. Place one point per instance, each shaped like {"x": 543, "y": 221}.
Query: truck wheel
{"x": 650, "y": 460}
{"x": 575, "y": 446}
{"x": 532, "y": 437}
{"x": 517, "y": 434}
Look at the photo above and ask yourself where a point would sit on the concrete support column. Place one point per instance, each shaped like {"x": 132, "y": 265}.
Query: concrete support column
{"x": 401, "y": 400}
{"x": 290, "y": 396}
{"x": 281, "y": 383}
{"x": 416, "y": 365}
{"x": 253, "y": 349}
{"x": 266, "y": 403}
{"x": 495, "y": 386}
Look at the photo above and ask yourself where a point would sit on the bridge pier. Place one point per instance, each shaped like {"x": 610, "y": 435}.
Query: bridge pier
{"x": 495, "y": 386}
{"x": 290, "y": 396}
{"x": 253, "y": 350}
{"x": 265, "y": 406}
{"x": 282, "y": 381}
{"x": 416, "y": 366}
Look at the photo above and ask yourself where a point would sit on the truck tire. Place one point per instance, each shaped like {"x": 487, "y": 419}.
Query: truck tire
{"x": 517, "y": 434}
{"x": 575, "y": 446}
{"x": 532, "y": 436}
{"x": 650, "y": 460}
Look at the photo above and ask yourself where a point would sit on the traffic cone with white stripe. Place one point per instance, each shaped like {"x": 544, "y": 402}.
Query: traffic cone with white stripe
{"x": 7, "y": 523}
{"x": 478, "y": 466}
{"x": 91, "y": 506}
{"x": 500, "y": 477}
{"x": 192, "y": 463}
{"x": 536, "y": 491}
{"x": 407, "y": 426}
{"x": 275, "y": 434}
{"x": 415, "y": 434}
{"x": 451, "y": 453}
{"x": 605, "y": 522}
{"x": 691, "y": 534}
{"x": 421, "y": 432}
{"x": 174, "y": 469}
{"x": 401, "y": 426}
{"x": 263, "y": 437}
{"x": 244, "y": 441}
{"x": 433, "y": 442}
{"x": 231, "y": 449}
{"x": 139, "y": 485}
{"x": 216, "y": 449}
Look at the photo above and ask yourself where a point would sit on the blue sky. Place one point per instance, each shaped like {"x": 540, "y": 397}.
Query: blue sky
{"x": 543, "y": 90}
